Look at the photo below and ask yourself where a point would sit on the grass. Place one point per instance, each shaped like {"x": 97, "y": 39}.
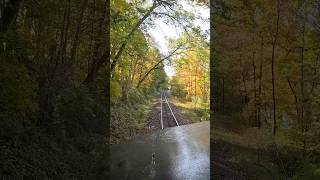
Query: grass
{"x": 263, "y": 157}
{"x": 195, "y": 112}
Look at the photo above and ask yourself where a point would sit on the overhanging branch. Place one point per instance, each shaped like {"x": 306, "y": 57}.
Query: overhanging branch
{"x": 174, "y": 52}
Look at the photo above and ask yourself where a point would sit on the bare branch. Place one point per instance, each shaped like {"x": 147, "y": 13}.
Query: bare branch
{"x": 174, "y": 52}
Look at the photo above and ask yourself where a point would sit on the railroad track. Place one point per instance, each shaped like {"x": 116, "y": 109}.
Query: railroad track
{"x": 167, "y": 119}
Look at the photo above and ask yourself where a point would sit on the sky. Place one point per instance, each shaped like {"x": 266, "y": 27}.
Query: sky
{"x": 162, "y": 32}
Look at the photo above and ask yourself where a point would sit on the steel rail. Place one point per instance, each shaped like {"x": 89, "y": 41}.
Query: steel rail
{"x": 161, "y": 113}
{"x": 165, "y": 97}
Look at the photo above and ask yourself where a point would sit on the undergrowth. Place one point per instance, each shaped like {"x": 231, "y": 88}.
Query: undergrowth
{"x": 195, "y": 111}
{"x": 72, "y": 145}
{"x": 128, "y": 118}
{"x": 262, "y": 156}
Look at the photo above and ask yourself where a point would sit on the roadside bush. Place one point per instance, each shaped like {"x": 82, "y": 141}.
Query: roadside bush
{"x": 72, "y": 147}
{"x": 136, "y": 97}
{"x": 78, "y": 108}
{"x": 203, "y": 113}
{"x": 262, "y": 137}
{"x": 289, "y": 160}
{"x": 309, "y": 171}
{"x": 178, "y": 90}
{"x": 35, "y": 155}
{"x": 128, "y": 118}
{"x": 115, "y": 90}
{"x": 124, "y": 122}
{"x": 16, "y": 98}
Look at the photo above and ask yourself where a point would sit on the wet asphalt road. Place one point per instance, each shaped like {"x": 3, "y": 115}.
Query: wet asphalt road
{"x": 173, "y": 153}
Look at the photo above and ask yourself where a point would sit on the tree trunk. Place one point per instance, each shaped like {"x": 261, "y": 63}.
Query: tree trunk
{"x": 296, "y": 100}
{"x": 260, "y": 82}
{"x": 60, "y": 54}
{"x": 65, "y": 40}
{"x": 9, "y": 11}
{"x": 272, "y": 70}
{"x": 77, "y": 33}
{"x": 257, "y": 123}
{"x": 98, "y": 60}
{"x": 245, "y": 97}
{"x": 223, "y": 95}
{"x": 218, "y": 100}
{"x": 195, "y": 86}
{"x": 304, "y": 123}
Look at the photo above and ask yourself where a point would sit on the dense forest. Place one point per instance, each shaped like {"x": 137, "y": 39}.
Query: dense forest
{"x": 138, "y": 62}
{"x": 265, "y": 60}
{"x": 54, "y": 89}
{"x": 64, "y": 64}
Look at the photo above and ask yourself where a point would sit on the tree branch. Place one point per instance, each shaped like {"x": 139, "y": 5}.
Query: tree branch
{"x": 156, "y": 65}
{"x": 124, "y": 44}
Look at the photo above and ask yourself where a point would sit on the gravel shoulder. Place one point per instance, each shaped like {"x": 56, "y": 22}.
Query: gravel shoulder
{"x": 154, "y": 118}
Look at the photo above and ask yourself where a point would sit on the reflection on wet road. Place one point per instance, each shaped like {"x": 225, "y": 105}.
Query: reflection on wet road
{"x": 173, "y": 153}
